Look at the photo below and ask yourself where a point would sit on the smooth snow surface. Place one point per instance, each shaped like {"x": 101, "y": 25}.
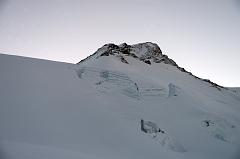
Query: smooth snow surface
{"x": 93, "y": 110}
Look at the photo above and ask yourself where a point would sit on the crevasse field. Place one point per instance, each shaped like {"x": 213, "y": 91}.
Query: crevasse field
{"x": 93, "y": 110}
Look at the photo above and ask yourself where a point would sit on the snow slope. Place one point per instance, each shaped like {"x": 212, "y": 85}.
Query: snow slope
{"x": 93, "y": 109}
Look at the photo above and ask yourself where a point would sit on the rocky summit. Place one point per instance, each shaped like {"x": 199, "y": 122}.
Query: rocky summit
{"x": 146, "y": 52}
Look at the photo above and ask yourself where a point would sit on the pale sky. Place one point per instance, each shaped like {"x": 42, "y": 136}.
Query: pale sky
{"x": 203, "y": 36}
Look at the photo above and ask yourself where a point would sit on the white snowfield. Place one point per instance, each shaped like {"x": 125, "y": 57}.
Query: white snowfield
{"x": 93, "y": 110}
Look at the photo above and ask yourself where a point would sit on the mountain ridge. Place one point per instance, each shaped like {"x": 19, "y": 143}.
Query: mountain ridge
{"x": 146, "y": 52}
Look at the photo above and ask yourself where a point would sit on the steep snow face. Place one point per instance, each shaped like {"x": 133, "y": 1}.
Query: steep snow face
{"x": 105, "y": 107}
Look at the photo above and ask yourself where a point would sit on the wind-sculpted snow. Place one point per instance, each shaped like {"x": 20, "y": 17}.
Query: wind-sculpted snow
{"x": 153, "y": 91}
{"x": 172, "y": 90}
{"x": 161, "y": 136}
{"x": 222, "y": 129}
{"x": 107, "y": 81}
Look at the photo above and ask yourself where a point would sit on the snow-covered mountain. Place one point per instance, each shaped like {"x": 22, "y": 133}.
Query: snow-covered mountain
{"x": 122, "y": 102}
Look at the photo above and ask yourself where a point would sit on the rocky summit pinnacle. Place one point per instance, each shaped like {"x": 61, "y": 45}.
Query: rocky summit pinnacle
{"x": 147, "y": 52}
